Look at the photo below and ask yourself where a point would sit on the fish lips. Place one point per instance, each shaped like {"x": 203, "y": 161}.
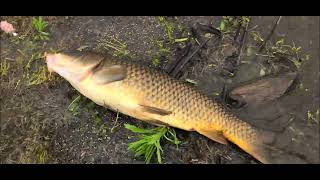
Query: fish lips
{"x": 51, "y": 61}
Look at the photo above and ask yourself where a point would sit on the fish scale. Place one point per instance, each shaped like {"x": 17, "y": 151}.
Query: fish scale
{"x": 153, "y": 96}
{"x": 186, "y": 103}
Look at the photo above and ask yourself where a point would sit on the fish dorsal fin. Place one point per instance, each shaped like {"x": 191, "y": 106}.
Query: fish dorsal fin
{"x": 154, "y": 110}
{"x": 109, "y": 74}
{"x": 214, "y": 135}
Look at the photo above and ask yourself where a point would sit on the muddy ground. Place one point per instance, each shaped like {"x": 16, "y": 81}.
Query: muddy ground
{"x": 37, "y": 125}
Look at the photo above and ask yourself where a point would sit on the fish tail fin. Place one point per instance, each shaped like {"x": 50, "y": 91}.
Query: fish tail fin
{"x": 264, "y": 150}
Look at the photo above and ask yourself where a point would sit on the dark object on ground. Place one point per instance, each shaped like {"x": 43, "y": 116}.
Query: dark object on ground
{"x": 263, "y": 90}
{"x": 188, "y": 52}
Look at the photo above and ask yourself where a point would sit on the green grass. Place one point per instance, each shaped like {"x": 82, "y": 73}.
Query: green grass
{"x": 36, "y": 153}
{"x": 74, "y": 106}
{"x": 41, "y": 74}
{"x": 39, "y": 77}
{"x": 110, "y": 43}
{"x": 4, "y": 67}
{"x": 161, "y": 52}
{"x": 229, "y": 24}
{"x": 149, "y": 142}
{"x": 40, "y": 25}
{"x": 30, "y": 47}
{"x": 280, "y": 49}
{"x": 169, "y": 28}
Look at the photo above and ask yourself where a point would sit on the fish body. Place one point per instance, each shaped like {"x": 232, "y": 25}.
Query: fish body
{"x": 153, "y": 96}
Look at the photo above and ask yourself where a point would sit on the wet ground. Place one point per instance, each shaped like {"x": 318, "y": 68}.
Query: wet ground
{"x": 37, "y": 125}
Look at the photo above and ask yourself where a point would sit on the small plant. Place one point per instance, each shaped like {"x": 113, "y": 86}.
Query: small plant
{"x": 36, "y": 152}
{"x": 162, "y": 51}
{"x": 168, "y": 27}
{"x": 229, "y": 24}
{"x": 280, "y": 49}
{"x": 4, "y": 67}
{"x": 292, "y": 52}
{"x": 35, "y": 72}
{"x": 39, "y": 25}
{"x": 257, "y": 37}
{"x": 150, "y": 141}
{"x": 39, "y": 77}
{"x": 313, "y": 116}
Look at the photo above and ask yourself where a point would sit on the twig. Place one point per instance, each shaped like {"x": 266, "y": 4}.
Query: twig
{"x": 183, "y": 62}
{"x": 237, "y": 32}
{"x": 76, "y": 99}
{"x": 115, "y": 124}
{"x": 265, "y": 55}
{"x": 270, "y": 34}
{"x": 186, "y": 50}
{"x": 242, "y": 42}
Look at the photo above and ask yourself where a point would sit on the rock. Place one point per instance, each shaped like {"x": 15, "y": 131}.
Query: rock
{"x": 263, "y": 90}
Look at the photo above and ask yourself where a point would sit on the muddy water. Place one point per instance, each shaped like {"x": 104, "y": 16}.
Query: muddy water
{"x": 81, "y": 138}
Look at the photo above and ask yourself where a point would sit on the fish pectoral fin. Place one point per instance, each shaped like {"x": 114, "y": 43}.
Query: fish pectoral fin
{"x": 154, "y": 110}
{"x": 214, "y": 135}
{"x": 110, "y": 74}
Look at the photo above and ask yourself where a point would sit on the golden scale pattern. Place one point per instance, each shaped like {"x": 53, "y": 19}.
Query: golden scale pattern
{"x": 183, "y": 100}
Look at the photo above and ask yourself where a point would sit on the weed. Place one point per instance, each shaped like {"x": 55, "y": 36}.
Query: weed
{"x": 115, "y": 123}
{"x": 150, "y": 141}
{"x": 110, "y": 43}
{"x": 35, "y": 71}
{"x": 292, "y": 52}
{"x": 36, "y": 153}
{"x": 40, "y": 25}
{"x": 168, "y": 27}
{"x": 162, "y": 51}
{"x": 257, "y": 37}
{"x": 39, "y": 77}
{"x": 229, "y": 24}
{"x": 4, "y": 67}
{"x": 280, "y": 49}
{"x": 313, "y": 116}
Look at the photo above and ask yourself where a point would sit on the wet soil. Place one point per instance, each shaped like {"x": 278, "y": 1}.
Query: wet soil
{"x": 36, "y": 126}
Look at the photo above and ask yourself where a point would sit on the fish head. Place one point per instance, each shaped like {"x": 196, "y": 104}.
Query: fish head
{"x": 73, "y": 66}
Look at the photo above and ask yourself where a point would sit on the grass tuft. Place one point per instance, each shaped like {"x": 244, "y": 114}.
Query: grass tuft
{"x": 149, "y": 142}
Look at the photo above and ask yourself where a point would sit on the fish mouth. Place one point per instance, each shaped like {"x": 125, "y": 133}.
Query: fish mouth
{"x": 51, "y": 61}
